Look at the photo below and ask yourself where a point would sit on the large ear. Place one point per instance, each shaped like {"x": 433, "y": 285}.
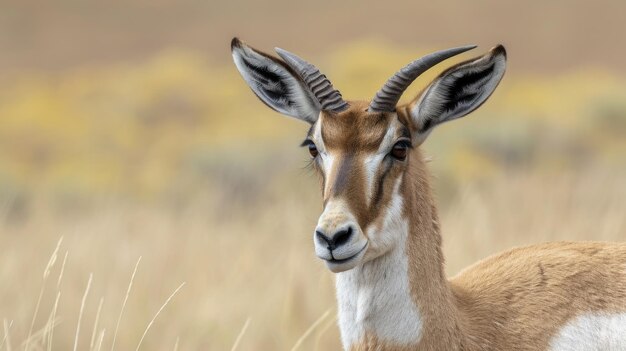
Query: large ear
{"x": 458, "y": 91}
{"x": 275, "y": 83}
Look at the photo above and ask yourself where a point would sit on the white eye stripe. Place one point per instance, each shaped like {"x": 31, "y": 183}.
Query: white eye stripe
{"x": 387, "y": 139}
{"x": 373, "y": 162}
{"x": 372, "y": 165}
{"x": 317, "y": 135}
{"x": 327, "y": 159}
{"x": 327, "y": 163}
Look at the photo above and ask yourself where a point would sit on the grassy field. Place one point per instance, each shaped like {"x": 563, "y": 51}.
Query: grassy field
{"x": 254, "y": 261}
{"x": 174, "y": 161}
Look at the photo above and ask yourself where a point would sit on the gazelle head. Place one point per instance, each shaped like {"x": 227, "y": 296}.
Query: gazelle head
{"x": 365, "y": 151}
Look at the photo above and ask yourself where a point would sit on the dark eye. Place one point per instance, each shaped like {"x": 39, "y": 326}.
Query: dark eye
{"x": 311, "y": 145}
{"x": 399, "y": 150}
{"x": 313, "y": 150}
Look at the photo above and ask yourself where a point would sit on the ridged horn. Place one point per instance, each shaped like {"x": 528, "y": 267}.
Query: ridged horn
{"x": 388, "y": 96}
{"x": 329, "y": 98}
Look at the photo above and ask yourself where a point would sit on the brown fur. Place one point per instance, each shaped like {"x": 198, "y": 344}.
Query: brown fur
{"x": 516, "y": 300}
{"x": 351, "y": 135}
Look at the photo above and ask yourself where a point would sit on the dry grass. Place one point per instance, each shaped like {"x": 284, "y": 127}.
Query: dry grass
{"x": 254, "y": 267}
{"x": 157, "y": 161}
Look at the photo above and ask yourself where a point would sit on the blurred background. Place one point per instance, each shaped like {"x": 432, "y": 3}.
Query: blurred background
{"x": 126, "y": 131}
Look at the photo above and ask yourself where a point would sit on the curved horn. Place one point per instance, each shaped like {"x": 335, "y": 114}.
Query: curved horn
{"x": 389, "y": 95}
{"x": 329, "y": 98}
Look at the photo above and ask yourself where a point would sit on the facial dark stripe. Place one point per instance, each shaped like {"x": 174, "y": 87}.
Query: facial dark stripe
{"x": 343, "y": 174}
{"x": 352, "y": 139}
{"x": 380, "y": 184}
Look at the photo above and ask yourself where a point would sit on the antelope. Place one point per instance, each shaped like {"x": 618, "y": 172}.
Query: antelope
{"x": 379, "y": 230}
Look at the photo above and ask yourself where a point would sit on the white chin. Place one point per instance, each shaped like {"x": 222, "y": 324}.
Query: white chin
{"x": 338, "y": 267}
{"x": 342, "y": 265}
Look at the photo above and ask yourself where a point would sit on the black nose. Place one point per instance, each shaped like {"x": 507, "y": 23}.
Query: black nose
{"x": 339, "y": 238}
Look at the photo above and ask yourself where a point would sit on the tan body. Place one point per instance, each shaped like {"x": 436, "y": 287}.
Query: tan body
{"x": 521, "y": 298}
{"x": 379, "y": 231}
{"x": 517, "y": 300}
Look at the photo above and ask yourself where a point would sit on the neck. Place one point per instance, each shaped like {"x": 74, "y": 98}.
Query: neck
{"x": 402, "y": 300}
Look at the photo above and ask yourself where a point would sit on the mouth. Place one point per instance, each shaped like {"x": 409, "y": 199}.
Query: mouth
{"x": 346, "y": 260}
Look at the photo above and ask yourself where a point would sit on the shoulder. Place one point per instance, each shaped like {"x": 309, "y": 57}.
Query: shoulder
{"x": 565, "y": 269}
